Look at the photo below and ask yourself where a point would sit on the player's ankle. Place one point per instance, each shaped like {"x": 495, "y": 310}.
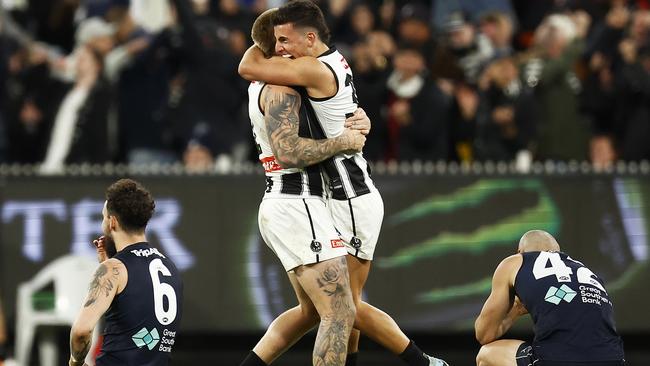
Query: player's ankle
{"x": 252, "y": 359}
{"x": 413, "y": 355}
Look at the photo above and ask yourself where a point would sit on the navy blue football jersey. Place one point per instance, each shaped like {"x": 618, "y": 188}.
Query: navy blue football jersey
{"x": 142, "y": 322}
{"x": 571, "y": 310}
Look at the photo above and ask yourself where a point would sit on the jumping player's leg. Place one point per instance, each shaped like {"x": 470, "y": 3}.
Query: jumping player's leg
{"x": 372, "y": 322}
{"x": 376, "y": 324}
{"x": 289, "y": 327}
{"x": 307, "y": 221}
{"x": 501, "y": 353}
{"x": 359, "y": 223}
{"x": 328, "y": 286}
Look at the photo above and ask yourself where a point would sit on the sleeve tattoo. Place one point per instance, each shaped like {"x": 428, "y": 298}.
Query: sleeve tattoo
{"x": 102, "y": 283}
{"x": 290, "y": 150}
{"x": 79, "y": 348}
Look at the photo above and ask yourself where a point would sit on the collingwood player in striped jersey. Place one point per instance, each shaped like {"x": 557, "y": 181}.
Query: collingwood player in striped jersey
{"x": 293, "y": 217}
{"x": 356, "y": 206}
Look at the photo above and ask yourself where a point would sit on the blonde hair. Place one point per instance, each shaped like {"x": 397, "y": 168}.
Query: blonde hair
{"x": 262, "y": 32}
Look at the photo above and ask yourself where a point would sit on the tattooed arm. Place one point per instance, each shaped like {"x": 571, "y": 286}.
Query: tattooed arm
{"x": 109, "y": 280}
{"x": 282, "y": 111}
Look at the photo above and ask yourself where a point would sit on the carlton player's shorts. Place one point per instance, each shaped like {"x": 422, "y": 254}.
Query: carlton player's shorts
{"x": 526, "y": 355}
{"x": 299, "y": 230}
{"x": 358, "y": 221}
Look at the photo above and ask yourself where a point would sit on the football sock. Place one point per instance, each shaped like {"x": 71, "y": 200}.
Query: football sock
{"x": 352, "y": 359}
{"x": 413, "y": 356}
{"x": 252, "y": 360}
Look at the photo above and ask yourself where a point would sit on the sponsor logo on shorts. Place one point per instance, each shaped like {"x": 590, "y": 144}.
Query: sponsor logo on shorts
{"x": 554, "y": 295}
{"x": 336, "y": 243}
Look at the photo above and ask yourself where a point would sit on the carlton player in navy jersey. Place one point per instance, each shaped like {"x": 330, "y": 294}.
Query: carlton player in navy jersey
{"x": 136, "y": 287}
{"x": 570, "y": 307}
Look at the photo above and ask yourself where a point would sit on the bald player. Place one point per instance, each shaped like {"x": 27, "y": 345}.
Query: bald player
{"x": 570, "y": 308}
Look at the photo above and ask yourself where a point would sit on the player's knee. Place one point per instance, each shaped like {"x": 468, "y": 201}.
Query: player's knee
{"x": 353, "y": 311}
{"x": 309, "y": 312}
{"x": 343, "y": 312}
{"x": 350, "y": 312}
{"x": 483, "y": 356}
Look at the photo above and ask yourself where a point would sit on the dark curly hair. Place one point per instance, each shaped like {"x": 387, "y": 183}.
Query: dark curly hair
{"x": 303, "y": 13}
{"x": 131, "y": 203}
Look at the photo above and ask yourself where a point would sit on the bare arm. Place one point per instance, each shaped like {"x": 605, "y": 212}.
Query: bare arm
{"x": 498, "y": 313}
{"x": 303, "y": 71}
{"x": 282, "y": 106}
{"x": 109, "y": 278}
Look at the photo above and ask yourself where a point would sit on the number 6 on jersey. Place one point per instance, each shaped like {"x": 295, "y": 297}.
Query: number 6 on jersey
{"x": 162, "y": 290}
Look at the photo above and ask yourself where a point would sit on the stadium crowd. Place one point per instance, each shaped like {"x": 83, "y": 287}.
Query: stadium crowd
{"x": 457, "y": 80}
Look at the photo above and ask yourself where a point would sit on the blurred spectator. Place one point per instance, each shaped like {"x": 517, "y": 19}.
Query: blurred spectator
{"x": 208, "y": 95}
{"x": 417, "y": 112}
{"x": 152, "y": 16}
{"x": 140, "y": 67}
{"x": 634, "y": 94}
{"x": 508, "y": 114}
{"x": 52, "y": 22}
{"x": 463, "y": 52}
{"x": 92, "y": 32}
{"x": 80, "y": 133}
{"x": 362, "y": 23}
{"x": 464, "y": 112}
{"x": 197, "y": 158}
{"x": 530, "y": 15}
{"x": 563, "y": 134}
{"x": 413, "y": 29}
{"x": 32, "y": 98}
{"x": 474, "y": 9}
{"x": 235, "y": 22}
{"x": 498, "y": 28}
{"x": 371, "y": 64}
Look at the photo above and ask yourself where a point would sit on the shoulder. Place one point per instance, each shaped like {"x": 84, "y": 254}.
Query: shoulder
{"x": 114, "y": 263}
{"x": 512, "y": 262}
{"x": 116, "y": 269}
{"x": 509, "y": 267}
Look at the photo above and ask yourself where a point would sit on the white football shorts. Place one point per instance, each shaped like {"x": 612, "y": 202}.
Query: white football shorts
{"x": 358, "y": 221}
{"x": 300, "y": 231}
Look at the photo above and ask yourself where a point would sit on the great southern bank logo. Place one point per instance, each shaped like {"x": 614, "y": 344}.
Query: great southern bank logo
{"x": 146, "y": 338}
{"x": 554, "y": 295}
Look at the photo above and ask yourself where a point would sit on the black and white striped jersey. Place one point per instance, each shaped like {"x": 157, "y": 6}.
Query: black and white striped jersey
{"x": 348, "y": 176}
{"x": 280, "y": 182}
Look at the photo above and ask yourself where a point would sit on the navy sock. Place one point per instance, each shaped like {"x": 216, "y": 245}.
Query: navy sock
{"x": 413, "y": 356}
{"x": 352, "y": 359}
{"x": 252, "y": 360}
